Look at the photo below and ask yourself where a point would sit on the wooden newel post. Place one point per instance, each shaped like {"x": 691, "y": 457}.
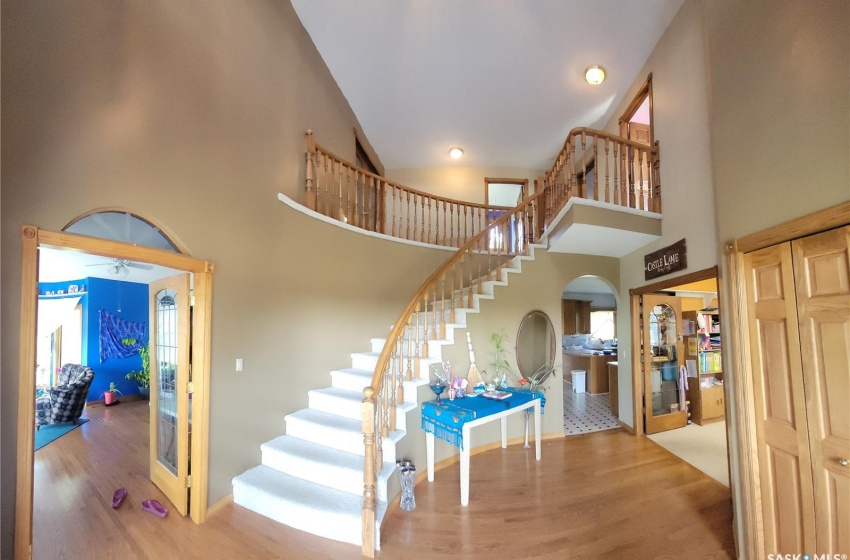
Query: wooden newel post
{"x": 656, "y": 178}
{"x": 542, "y": 206}
{"x": 311, "y": 191}
{"x": 368, "y": 517}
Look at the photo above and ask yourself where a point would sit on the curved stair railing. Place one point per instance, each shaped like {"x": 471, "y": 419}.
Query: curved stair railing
{"x": 596, "y": 165}
{"x": 343, "y": 191}
{"x": 448, "y": 288}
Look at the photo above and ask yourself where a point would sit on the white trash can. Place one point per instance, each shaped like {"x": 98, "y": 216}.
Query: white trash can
{"x": 578, "y": 376}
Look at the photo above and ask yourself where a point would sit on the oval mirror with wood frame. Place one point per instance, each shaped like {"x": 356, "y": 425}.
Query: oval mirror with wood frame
{"x": 535, "y": 344}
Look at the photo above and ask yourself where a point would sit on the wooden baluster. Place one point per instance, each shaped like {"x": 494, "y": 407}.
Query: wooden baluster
{"x": 311, "y": 194}
{"x": 458, "y": 236}
{"x": 655, "y": 163}
{"x": 437, "y": 239}
{"x": 641, "y": 162}
{"x": 596, "y": 168}
{"x": 437, "y": 320}
{"x": 347, "y": 214}
{"x": 395, "y": 212}
{"x": 415, "y": 214}
{"x": 624, "y": 175}
{"x": 339, "y": 211}
{"x": 367, "y": 419}
{"x": 573, "y": 174}
{"x": 616, "y": 172}
{"x": 429, "y": 218}
{"x": 323, "y": 198}
{"x": 427, "y": 317}
{"x": 415, "y": 373}
{"x": 452, "y": 294}
{"x": 443, "y": 307}
{"x": 465, "y": 223}
{"x": 382, "y": 204}
{"x": 607, "y": 190}
{"x": 469, "y": 272}
{"x": 583, "y": 186}
{"x": 632, "y": 200}
{"x": 407, "y": 216}
{"x": 451, "y": 223}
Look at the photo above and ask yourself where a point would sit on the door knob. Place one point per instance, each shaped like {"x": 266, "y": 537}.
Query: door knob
{"x": 843, "y": 462}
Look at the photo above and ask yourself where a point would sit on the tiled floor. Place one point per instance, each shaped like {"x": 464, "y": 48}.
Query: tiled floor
{"x": 585, "y": 413}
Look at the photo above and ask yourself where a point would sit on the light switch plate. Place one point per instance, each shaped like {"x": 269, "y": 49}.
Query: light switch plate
{"x": 238, "y": 364}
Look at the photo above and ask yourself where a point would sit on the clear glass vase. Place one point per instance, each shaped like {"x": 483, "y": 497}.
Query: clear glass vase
{"x": 408, "y": 474}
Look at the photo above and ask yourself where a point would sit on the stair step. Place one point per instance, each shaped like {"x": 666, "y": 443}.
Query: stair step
{"x": 337, "y": 432}
{"x": 357, "y": 379}
{"x": 316, "y": 463}
{"x": 304, "y": 505}
{"x": 369, "y": 360}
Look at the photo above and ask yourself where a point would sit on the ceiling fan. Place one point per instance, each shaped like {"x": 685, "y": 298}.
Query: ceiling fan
{"x": 121, "y": 267}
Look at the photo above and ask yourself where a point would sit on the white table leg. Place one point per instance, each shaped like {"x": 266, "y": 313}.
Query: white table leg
{"x": 429, "y": 454}
{"x": 504, "y": 420}
{"x": 464, "y": 467}
{"x": 537, "y": 428}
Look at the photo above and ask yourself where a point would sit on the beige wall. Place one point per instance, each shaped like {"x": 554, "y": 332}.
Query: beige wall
{"x": 680, "y": 114}
{"x": 460, "y": 183}
{"x": 193, "y": 113}
{"x": 780, "y": 110}
{"x": 780, "y": 125}
{"x": 538, "y": 287}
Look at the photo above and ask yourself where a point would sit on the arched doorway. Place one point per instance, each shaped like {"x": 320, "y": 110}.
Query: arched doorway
{"x": 591, "y": 383}
{"x": 124, "y": 251}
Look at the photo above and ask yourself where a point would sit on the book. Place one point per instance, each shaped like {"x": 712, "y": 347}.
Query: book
{"x": 498, "y": 395}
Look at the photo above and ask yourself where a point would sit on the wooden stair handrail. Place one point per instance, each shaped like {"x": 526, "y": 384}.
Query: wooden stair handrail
{"x": 372, "y": 400}
{"x": 417, "y": 297}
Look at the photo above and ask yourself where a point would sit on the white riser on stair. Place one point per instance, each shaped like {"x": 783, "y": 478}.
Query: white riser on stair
{"x": 322, "y": 465}
{"x": 357, "y": 379}
{"x": 368, "y": 361}
{"x": 336, "y": 432}
{"x": 304, "y": 505}
{"x": 312, "y": 477}
{"x": 348, "y": 404}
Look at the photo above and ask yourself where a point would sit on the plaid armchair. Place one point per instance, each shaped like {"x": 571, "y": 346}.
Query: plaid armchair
{"x": 65, "y": 401}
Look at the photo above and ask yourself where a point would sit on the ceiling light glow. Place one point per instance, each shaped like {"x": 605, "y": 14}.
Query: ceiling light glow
{"x": 455, "y": 153}
{"x": 594, "y": 75}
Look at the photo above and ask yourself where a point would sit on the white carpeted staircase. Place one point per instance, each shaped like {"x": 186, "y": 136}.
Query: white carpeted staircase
{"x": 312, "y": 477}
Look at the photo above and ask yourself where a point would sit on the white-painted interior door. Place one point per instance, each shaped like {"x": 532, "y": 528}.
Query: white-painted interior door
{"x": 169, "y": 404}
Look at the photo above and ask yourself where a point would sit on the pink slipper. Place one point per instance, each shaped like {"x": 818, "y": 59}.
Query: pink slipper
{"x": 118, "y": 497}
{"x": 154, "y": 507}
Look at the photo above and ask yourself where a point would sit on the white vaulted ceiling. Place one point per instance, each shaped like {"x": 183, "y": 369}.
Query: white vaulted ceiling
{"x": 503, "y": 79}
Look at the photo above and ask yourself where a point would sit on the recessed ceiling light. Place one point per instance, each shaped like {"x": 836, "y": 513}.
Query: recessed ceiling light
{"x": 455, "y": 153}
{"x": 594, "y": 75}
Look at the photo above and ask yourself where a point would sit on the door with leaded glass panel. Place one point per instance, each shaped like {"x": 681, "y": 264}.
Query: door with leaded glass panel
{"x": 169, "y": 396}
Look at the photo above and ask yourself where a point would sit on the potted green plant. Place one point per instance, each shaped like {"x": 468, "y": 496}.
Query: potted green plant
{"x": 143, "y": 377}
{"x": 109, "y": 395}
{"x": 500, "y": 363}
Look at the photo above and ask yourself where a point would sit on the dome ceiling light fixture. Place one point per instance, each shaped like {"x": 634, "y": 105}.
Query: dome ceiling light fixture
{"x": 455, "y": 153}
{"x": 594, "y": 75}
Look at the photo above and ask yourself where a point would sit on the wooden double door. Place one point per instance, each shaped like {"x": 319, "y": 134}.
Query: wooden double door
{"x": 798, "y": 301}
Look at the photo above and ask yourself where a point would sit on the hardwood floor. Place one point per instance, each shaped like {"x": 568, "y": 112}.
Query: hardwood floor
{"x": 603, "y": 495}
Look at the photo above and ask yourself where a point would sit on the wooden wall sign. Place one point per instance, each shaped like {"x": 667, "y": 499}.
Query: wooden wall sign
{"x": 666, "y": 261}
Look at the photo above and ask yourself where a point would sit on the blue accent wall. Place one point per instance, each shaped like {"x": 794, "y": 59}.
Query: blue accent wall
{"x": 129, "y": 301}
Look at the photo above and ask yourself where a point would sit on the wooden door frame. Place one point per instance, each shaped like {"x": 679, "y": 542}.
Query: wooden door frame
{"x": 739, "y": 358}
{"x": 523, "y": 185}
{"x": 637, "y": 397}
{"x": 32, "y": 238}
{"x": 644, "y": 91}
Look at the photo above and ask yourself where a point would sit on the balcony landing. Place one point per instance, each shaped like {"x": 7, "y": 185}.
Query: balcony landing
{"x": 588, "y": 227}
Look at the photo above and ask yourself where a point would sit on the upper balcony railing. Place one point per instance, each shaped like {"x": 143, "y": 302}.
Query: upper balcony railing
{"x": 596, "y": 165}
{"x": 591, "y": 165}
{"x": 340, "y": 190}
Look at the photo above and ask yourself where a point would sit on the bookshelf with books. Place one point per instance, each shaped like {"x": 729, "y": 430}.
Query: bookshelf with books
{"x": 703, "y": 349}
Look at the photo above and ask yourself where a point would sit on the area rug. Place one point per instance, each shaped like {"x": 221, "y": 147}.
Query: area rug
{"x": 52, "y": 432}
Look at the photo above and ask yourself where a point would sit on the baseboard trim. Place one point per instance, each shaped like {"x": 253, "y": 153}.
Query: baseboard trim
{"x": 626, "y": 427}
{"x": 125, "y": 398}
{"x": 220, "y": 505}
